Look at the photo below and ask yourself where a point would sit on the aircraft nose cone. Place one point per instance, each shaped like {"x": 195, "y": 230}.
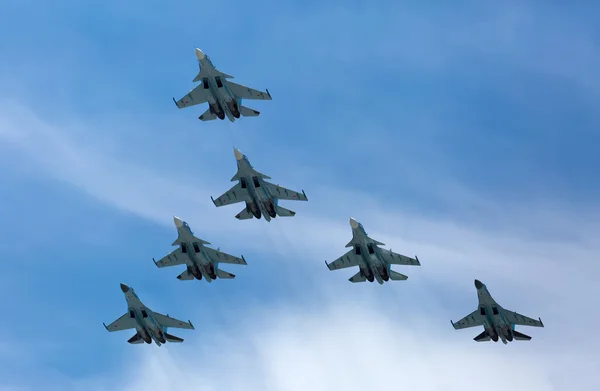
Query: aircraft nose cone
{"x": 124, "y": 288}
{"x": 177, "y": 221}
{"x": 353, "y": 223}
{"x": 238, "y": 155}
{"x": 478, "y": 284}
{"x": 199, "y": 54}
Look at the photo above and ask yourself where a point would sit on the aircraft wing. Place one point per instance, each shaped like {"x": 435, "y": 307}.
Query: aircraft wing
{"x": 347, "y": 260}
{"x": 244, "y": 92}
{"x": 398, "y": 259}
{"x": 167, "y": 321}
{"x": 176, "y": 257}
{"x": 221, "y": 257}
{"x": 471, "y": 320}
{"x": 232, "y": 196}
{"x": 196, "y": 96}
{"x": 518, "y": 319}
{"x": 123, "y": 323}
{"x": 282, "y": 193}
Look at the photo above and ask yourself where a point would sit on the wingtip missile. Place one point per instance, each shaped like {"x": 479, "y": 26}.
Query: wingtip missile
{"x": 304, "y": 194}
{"x": 540, "y": 319}
{"x": 417, "y": 259}
{"x": 213, "y": 200}
{"x": 268, "y": 93}
{"x": 156, "y": 263}
{"x": 174, "y": 101}
{"x": 103, "y": 324}
{"x": 190, "y": 322}
{"x": 244, "y": 259}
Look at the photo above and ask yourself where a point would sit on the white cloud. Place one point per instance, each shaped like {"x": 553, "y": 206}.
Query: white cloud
{"x": 341, "y": 345}
{"x": 292, "y": 349}
{"x": 444, "y": 245}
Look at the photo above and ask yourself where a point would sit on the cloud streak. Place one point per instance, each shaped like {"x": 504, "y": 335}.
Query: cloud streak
{"x": 491, "y": 83}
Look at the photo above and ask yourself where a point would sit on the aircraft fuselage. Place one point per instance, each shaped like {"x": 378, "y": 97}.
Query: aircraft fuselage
{"x": 198, "y": 262}
{"x": 262, "y": 202}
{"x": 494, "y": 321}
{"x": 372, "y": 266}
{"x": 222, "y": 101}
{"x": 146, "y": 327}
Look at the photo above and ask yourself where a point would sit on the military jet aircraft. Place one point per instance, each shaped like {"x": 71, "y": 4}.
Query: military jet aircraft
{"x": 496, "y": 321}
{"x": 260, "y": 196}
{"x": 374, "y": 262}
{"x": 150, "y": 325}
{"x": 201, "y": 261}
{"x": 223, "y": 96}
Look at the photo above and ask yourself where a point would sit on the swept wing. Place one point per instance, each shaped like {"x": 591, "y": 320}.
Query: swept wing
{"x": 282, "y": 193}
{"x": 176, "y": 257}
{"x": 349, "y": 259}
{"x": 167, "y": 321}
{"x": 471, "y": 320}
{"x": 522, "y": 320}
{"x": 125, "y": 322}
{"x": 398, "y": 259}
{"x": 195, "y": 97}
{"x": 244, "y": 92}
{"x": 221, "y": 257}
{"x": 232, "y": 196}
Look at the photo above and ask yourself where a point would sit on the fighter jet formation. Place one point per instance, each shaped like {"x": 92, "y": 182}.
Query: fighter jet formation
{"x": 149, "y": 325}
{"x": 497, "y": 322}
{"x": 261, "y": 199}
{"x": 373, "y": 262}
{"x": 200, "y": 261}
{"x": 223, "y": 96}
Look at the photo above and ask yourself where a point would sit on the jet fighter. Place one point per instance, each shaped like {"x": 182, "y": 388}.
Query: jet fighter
{"x": 150, "y": 325}
{"x": 374, "y": 262}
{"x": 223, "y": 96}
{"x": 201, "y": 261}
{"x": 260, "y": 196}
{"x": 496, "y": 321}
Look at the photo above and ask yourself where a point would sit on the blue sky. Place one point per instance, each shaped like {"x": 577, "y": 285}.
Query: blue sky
{"x": 467, "y": 135}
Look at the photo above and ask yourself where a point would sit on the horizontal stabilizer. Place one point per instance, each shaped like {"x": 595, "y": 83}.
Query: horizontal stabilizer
{"x": 483, "y": 337}
{"x": 244, "y": 215}
{"x": 185, "y": 276}
{"x": 135, "y": 339}
{"x": 520, "y": 336}
{"x": 283, "y": 212}
{"x": 397, "y": 276}
{"x": 358, "y": 277}
{"x": 208, "y": 115}
{"x": 172, "y": 338}
{"x": 247, "y": 112}
{"x": 225, "y": 275}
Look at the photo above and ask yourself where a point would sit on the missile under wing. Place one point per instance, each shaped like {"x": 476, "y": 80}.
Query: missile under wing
{"x": 149, "y": 325}
{"x": 261, "y": 197}
{"x": 497, "y": 322}
{"x": 374, "y": 263}
{"x": 223, "y": 96}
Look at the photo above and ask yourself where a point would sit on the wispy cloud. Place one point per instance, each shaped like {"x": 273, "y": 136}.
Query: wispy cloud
{"x": 451, "y": 252}
{"x": 344, "y": 345}
{"x": 464, "y": 137}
